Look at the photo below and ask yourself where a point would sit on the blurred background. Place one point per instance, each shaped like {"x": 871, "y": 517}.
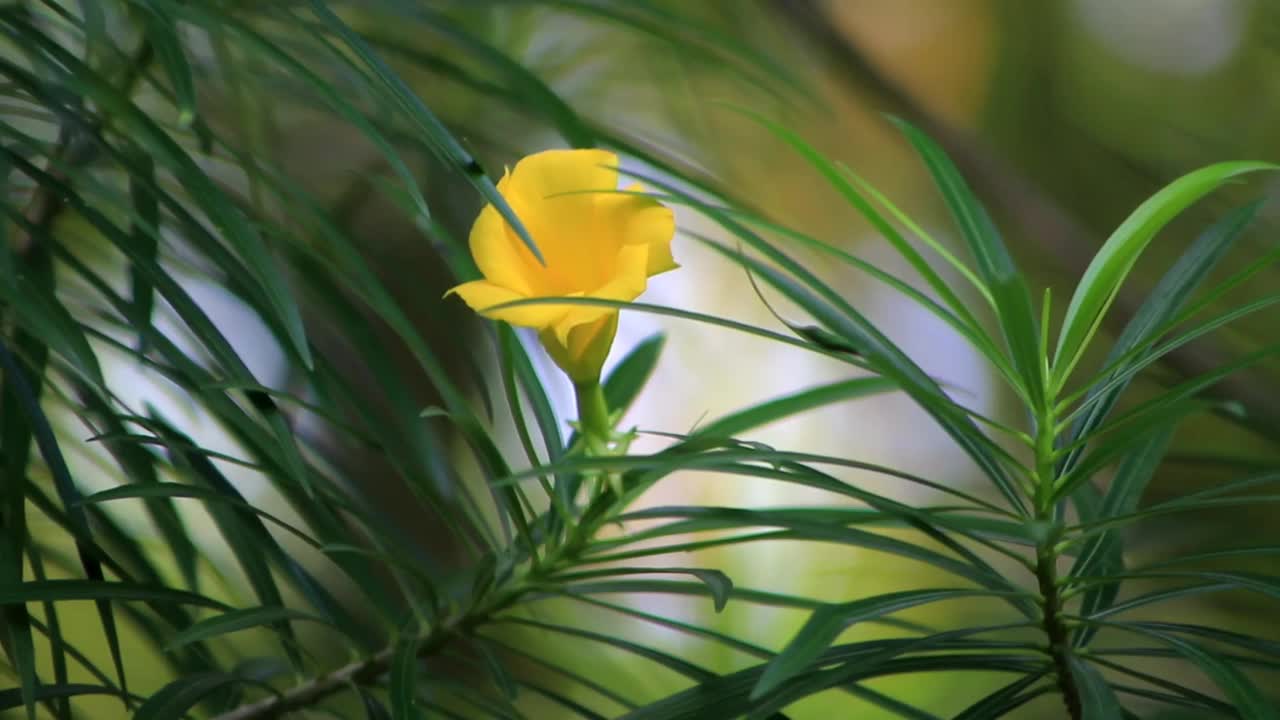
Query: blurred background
{"x": 1063, "y": 114}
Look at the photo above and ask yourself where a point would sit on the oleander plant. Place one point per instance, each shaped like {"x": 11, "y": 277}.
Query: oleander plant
{"x": 315, "y": 391}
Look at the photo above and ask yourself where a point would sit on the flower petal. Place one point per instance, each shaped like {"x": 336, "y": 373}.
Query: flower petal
{"x": 501, "y": 256}
{"x": 482, "y": 295}
{"x": 551, "y": 192}
{"x": 552, "y": 172}
{"x": 642, "y": 220}
{"x": 627, "y": 285}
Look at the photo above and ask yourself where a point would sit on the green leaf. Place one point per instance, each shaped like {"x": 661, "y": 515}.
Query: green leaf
{"x": 1166, "y": 300}
{"x": 235, "y": 621}
{"x": 190, "y": 312}
{"x": 177, "y": 698}
{"x": 138, "y": 465}
{"x": 403, "y": 681}
{"x": 671, "y": 662}
{"x": 131, "y": 120}
{"x": 373, "y": 708}
{"x": 15, "y": 437}
{"x": 787, "y": 406}
{"x": 834, "y": 312}
{"x": 1209, "y": 497}
{"x": 832, "y": 173}
{"x": 496, "y": 670}
{"x": 333, "y": 99}
{"x": 58, "y": 646}
{"x": 1179, "y": 694}
{"x": 1104, "y": 554}
{"x": 717, "y": 582}
{"x": 829, "y": 621}
{"x": 163, "y": 35}
{"x": 1251, "y": 643}
{"x": 434, "y": 132}
{"x": 811, "y": 525}
{"x": 248, "y": 432}
{"x": 244, "y": 532}
{"x": 1239, "y": 689}
{"x": 543, "y": 412}
{"x": 208, "y": 495}
{"x": 68, "y": 493}
{"x": 64, "y": 590}
{"x": 999, "y": 274}
{"x": 10, "y": 699}
{"x": 1109, "y": 268}
{"x": 727, "y": 695}
{"x": 522, "y": 86}
{"x": 573, "y": 706}
{"x": 579, "y": 678}
{"x": 1097, "y": 699}
{"x": 145, "y": 237}
{"x": 40, "y": 313}
{"x": 1003, "y": 701}
{"x": 1160, "y": 406}
{"x": 623, "y": 385}
{"x": 705, "y": 44}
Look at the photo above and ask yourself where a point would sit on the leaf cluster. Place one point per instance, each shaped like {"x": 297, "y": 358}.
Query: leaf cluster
{"x": 123, "y": 183}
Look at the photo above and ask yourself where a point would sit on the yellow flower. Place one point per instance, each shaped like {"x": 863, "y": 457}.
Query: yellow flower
{"x": 596, "y": 245}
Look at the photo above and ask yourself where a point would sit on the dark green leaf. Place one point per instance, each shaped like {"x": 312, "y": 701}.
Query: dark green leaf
{"x": 248, "y": 538}
{"x": 145, "y": 237}
{"x": 61, "y": 590}
{"x": 1097, "y": 698}
{"x": 68, "y": 493}
{"x": 719, "y": 584}
{"x": 1109, "y": 268}
{"x": 787, "y": 406}
{"x": 235, "y": 621}
{"x": 1008, "y": 288}
{"x": 177, "y": 698}
{"x": 1166, "y": 300}
{"x": 373, "y": 707}
{"x": 1104, "y": 554}
{"x": 829, "y": 621}
{"x": 10, "y": 699}
{"x": 629, "y": 376}
{"x": 434, "y": 132}
{"x": 163, "y": 35}
{"x": 1003, "y": 701}
{"x": 403, "y": 682}
{"x": 1239, "y": 689}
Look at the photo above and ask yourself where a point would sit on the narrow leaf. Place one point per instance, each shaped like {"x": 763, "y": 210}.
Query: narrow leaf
{"x": 177, "y": 698}
{"x": 235, "y": 621}
{"x": 1097, "y": 699}
{"x": 1109, "y": 268}
{"x": 829, "y": 621}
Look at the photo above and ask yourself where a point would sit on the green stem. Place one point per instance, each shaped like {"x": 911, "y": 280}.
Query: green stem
{"x": 1056, "y": 629}
{"x": 1052, "y": 621}
{"x": 593, "y": 414}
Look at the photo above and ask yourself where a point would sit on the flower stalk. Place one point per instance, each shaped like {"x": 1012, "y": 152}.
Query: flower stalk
{"x": 593, "y": 417}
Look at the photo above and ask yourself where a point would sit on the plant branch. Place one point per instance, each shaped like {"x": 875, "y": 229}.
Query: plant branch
{"x": 1047, "y": 553}
{"x": 356, "y": 673}
{"x": 1056, "y": 629}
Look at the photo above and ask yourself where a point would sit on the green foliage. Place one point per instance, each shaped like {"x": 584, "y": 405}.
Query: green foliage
{"x": 137, "y": 157}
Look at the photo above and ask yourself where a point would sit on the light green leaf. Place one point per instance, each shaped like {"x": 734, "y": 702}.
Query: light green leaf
{"x": 1107, "y": 272}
